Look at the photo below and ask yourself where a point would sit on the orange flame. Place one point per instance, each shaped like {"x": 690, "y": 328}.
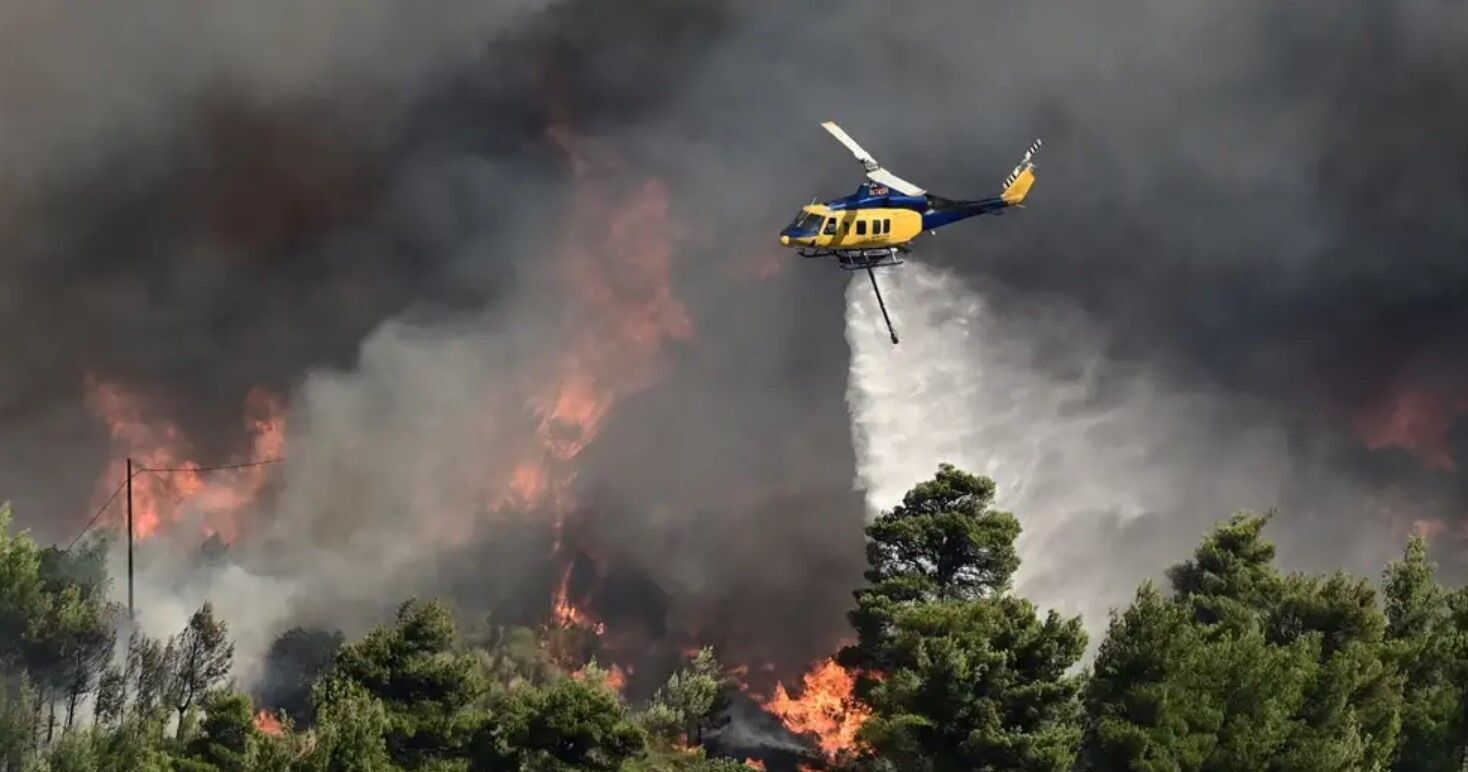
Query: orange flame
{"x": 528, "y": 482}
{"x": 615, "y": 255}
{"x": 164, "y": 497}
{"x": 825, "y": 708}
{"x": 754, "y": 764}
{"x": 1415, "y": 420}
{"x": 266, "y": 722}
{"x": 565, "y": 612}
{"x": 616, "y": 677}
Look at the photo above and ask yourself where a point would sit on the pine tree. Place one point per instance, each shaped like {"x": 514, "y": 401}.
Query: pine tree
{"x": 1244, "y": 668}
{"x": 202, "y": 656}
{"x": 225, "y": 734}
{"x": 694, "y": 697}
{"x": 959, "y": 674}
{"x": 431, "y": 691}
{"x": 1430, "y": 649}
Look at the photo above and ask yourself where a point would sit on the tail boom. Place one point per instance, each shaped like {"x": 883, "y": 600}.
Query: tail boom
{"x": 1017, "y": 186}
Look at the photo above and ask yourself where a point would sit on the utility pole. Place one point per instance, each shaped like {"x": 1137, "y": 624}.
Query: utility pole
{"x": 130, "y": 538}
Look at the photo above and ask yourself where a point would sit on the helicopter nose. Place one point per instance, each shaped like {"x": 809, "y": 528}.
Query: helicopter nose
{"x": 785, "y": 240}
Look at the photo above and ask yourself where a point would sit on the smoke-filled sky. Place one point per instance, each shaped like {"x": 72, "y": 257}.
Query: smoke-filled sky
{"x": 1237, "y": 284}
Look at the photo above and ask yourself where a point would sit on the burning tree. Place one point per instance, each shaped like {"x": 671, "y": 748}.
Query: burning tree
{"x": 959, "y": 674}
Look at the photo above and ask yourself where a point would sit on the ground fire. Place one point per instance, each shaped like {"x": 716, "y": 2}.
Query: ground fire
{"x": 267, "y": 722}
{"x": 825, "y": 707}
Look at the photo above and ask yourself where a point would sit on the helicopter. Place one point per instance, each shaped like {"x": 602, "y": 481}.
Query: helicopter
{"x": 870, "y": 228}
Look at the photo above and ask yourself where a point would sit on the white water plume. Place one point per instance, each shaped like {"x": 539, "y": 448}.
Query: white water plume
{"x": 1110, "y": 483}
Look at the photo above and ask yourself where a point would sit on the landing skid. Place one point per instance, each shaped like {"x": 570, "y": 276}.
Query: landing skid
{"x": 859, "y": 259}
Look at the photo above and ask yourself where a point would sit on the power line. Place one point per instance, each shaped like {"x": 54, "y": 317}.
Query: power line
{"x": 222, "y": 467}
{"x": 100, "y": 510}
{"x": 140, "y": 469}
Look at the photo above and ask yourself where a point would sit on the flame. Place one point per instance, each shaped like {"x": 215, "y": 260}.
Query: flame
{"x": 825, "y": 708}
{"x": 573, "y": 417}
{"x": 615, "y": 256}
{"x": 529, "y": 482}
{"x": 754, "y": 764}
{"x": 165, "y": 497}
{"x": 565, "y": 612}
{"x": 1415, "y": 420}
{"x": 266, "y": 722}
{"x": 616, "y": 677}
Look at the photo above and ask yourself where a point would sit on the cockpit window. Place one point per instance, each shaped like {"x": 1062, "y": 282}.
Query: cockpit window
{"x": 806, "y": 221}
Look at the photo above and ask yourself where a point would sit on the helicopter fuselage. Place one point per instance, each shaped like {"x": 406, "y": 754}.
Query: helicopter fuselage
{"x": 876, "y": 219}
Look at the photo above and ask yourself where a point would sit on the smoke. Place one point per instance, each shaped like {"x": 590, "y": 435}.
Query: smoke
{"x": 1229, "y": 291}
{"x": 1112, "y": 475}
{"x": 1237, "y": 284}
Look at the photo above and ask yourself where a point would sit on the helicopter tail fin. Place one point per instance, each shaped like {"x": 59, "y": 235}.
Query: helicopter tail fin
{"x": 1017, "y": 185}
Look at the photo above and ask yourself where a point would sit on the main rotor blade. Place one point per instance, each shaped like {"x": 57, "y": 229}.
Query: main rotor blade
{"x": 857, "y": 150}
{"x": 894, "y": 182}
{"x": 875, "y": 172}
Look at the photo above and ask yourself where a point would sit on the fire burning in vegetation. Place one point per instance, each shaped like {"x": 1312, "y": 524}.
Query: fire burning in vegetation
{"x": 165, "y": 497}
{"x": 565, "y": 613}
{"x": 825, "y": 708}
{"x": 615, "y": 256}
{"x": 616, "y": 677}
{"x": 267, "y": 723}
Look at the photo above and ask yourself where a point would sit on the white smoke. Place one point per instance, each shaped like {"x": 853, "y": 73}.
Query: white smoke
{"x": 1099, "y": 481}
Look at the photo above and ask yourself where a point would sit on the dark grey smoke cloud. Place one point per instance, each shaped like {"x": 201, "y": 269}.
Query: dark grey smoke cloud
{"x": 1237, "y": 284}
{"x": 359, "y": 214}
{"x": 1253, "y": 205}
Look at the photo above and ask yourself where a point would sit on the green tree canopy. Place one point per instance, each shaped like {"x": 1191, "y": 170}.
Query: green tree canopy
{"x": 692, "y": 700}
{"x": 1244, "y": 668}
{"x": 201, "y": 657}
{"x": 1427, "y": 628}
{"x": 959, "y": 674}
{"x": 430, "y": 691}
{"x": 295, "y": 660}
{"x": 351, "y": 729}
{"x": 575, "y": 724}
{"x": 226, "y": 732}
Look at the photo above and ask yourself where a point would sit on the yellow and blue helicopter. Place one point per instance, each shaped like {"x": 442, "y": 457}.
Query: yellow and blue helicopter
{"x": 871, "y": 227}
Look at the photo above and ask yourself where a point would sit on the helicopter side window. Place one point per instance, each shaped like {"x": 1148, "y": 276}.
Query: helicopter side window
{"x": 886, "y": 226}
{"x": 861, "y": 227}
{"x": 831, "y": 226}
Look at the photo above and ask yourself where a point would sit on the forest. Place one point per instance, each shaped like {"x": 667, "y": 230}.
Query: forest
{"x": 1228, "y": 664}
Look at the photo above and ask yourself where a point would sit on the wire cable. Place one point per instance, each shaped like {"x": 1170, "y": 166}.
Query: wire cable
{"x": 219, "y": 468}
{"x": 100, "y": 510}
{"x": 140, "y": 469}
